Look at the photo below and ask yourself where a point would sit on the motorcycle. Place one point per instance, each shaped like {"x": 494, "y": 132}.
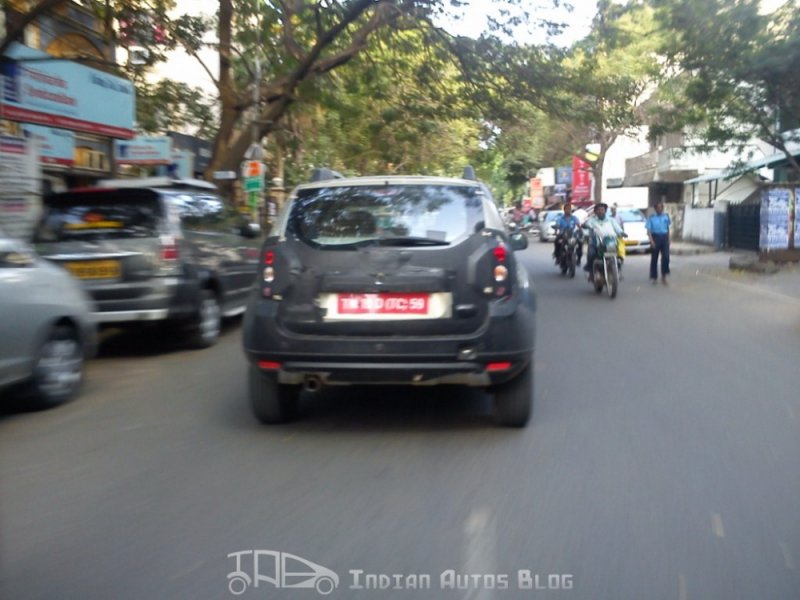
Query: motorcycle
{"x": 605, "y": 270}
{"x": 568, "y": 246}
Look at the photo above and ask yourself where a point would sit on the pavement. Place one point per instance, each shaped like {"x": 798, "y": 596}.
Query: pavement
{"x": 703, "y": 260}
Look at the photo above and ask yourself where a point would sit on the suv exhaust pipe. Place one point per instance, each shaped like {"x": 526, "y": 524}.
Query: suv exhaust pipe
{"x": 312, "y": 384}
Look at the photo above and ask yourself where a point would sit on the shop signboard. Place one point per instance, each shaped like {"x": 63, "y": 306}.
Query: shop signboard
{"x": 42, "y": 89}
{"x": 144, "y": 150}
{"x": 54, "y": 146}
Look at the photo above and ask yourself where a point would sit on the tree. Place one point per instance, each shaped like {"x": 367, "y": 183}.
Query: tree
{"x": 737, "y": 73}
{"x": 610, "y": 74}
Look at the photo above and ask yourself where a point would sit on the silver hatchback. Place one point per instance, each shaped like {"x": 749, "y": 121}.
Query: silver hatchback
{"x": 46, "y": 327}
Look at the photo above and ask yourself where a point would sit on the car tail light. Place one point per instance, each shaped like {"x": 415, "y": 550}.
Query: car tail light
{"x": 269, "y": 365}
{"x": 168, "y": 255}
{"x": 500, "y": 273}
{"x": 268, "y": 274}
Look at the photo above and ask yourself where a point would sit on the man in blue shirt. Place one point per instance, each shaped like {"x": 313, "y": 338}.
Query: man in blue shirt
{"x": 564, "y": 222}
{"x": 658, "y": 230}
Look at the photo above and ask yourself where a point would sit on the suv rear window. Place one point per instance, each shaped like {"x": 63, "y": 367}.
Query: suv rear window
{"x": 401, "y": 215}
{"x": 102, "y": 214}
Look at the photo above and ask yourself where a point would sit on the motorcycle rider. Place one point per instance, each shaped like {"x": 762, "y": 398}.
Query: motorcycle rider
{"x": 563, "y": 223}
{"x": 600, "y": 226}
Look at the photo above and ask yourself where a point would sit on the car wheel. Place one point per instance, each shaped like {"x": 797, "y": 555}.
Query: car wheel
{"x": 513, "y": 401}
{"x": 271, "y": 401}
{"x": 207, "y": 323}
{"x": 59, "y": 368}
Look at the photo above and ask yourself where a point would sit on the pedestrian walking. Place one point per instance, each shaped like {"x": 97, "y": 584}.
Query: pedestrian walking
{"x": 658, "y": 230}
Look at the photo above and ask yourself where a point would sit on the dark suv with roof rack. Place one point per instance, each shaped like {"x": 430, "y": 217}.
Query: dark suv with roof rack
{"x": 390, "y": 280}
{"x": 176, "y": 255}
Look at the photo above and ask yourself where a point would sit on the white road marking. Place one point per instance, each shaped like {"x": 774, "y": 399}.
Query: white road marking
{"x": 682, "y": 593}
{"x": 185, "y": 572}
{"x": 716, "y": 525}
{"x": 480, "y": 549}
{"x": 787, "y": 556}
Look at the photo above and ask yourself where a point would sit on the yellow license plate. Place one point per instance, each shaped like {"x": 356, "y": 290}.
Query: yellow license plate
{"x": 95, "y": 269}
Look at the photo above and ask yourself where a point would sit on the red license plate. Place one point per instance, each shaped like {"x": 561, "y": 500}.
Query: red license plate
{"x": 383, "y": 304}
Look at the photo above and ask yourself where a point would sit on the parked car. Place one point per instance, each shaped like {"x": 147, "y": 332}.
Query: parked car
{"x": 171, "y": 255}
{"x": 391, "y": 280}
{"x": 633, "y": 222}
{"x": 46, "y": 327}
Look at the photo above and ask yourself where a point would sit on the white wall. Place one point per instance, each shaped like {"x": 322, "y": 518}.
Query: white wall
{"x": 635, "y": 197}
{"x": 698, "y": 224}
{"x": 621, "y": 150}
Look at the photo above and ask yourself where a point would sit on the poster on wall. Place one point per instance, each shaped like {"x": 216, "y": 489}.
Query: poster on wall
{"x": 796, "y": 219}
{"x": 776, "y": 205}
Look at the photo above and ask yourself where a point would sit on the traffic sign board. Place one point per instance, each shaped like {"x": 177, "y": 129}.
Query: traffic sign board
{"x": 252, "y": 168}
{"x": 253, "y": 184}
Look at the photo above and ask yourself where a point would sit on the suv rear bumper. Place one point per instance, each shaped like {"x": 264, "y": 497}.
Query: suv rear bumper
{"x": 495, "y": 353}
{"x": 165, "y": 298}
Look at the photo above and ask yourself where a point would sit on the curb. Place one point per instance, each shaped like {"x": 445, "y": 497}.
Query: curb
{"x": 678, "y": 251}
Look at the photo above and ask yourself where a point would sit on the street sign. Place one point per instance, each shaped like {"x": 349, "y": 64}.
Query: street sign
{"x": 253, "y": 184}
{"x": 253, "y": 172}
{"x": 252, "y": 168}
{"x": 224, "y": 174}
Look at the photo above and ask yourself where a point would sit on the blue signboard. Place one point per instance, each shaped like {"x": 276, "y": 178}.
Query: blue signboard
{"x": 55, "y": 146}
{"x": 39, "y": 88}
{"x": 564, "y": 175}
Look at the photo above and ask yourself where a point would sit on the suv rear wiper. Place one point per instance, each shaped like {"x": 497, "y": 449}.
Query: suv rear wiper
{"x": 411, "y": 241}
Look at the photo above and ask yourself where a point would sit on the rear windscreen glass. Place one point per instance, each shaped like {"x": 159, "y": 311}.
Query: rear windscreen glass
{"x": 398, "y": 215}
{"x": 107, "y": 214}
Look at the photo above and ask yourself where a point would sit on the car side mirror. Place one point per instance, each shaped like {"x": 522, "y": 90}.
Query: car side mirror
{"x": 519, "y": 241}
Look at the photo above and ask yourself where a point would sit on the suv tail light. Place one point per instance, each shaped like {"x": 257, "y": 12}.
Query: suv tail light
{"x": 501, "y": 285}
{"x": 168, "y": 255}
{"x": 169, "y": 249}
{"x": 268, "y": 273}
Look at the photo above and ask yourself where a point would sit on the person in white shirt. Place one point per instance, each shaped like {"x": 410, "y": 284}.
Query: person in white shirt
{"x": 600, "y": 226}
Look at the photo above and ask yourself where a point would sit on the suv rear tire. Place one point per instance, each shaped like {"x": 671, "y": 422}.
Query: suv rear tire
{"x": 513, "y": 400}
{"x": 205, "y": 328}
{"x": 271, "y": 401}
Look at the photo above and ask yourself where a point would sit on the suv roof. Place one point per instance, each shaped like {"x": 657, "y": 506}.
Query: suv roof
{"x": 373, "y": 180}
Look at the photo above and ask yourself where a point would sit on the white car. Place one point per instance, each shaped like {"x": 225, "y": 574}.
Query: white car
{"x": 633, "y": 222}
{"x": 547, "y": 224}
{"x": 46, "y": 327}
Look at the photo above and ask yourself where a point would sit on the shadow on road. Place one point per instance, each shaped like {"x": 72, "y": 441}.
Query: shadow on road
{"x": 380, "y": 408}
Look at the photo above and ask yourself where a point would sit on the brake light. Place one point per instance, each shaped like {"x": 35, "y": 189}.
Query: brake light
{"x": 500, "y": 272}
{"x": 269, "y": 365}
{"x": 495, "y": 367}
{"x": 169, "y": 248}
{"x": 268, "y": 274}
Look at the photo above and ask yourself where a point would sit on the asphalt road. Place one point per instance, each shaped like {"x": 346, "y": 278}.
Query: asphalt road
{"x": 663, "y": 461}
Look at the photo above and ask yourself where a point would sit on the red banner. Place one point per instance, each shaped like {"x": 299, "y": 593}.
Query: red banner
{"x": 581, "y": 179}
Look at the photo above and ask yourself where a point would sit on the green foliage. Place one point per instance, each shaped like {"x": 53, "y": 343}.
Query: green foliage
{"x": 738, "y": 72}
{"x": 174, "y": 106}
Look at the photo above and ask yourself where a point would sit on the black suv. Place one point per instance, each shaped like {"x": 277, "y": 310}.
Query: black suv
{"x": 391, "y": 280}
{"x": 172, "y": 255}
